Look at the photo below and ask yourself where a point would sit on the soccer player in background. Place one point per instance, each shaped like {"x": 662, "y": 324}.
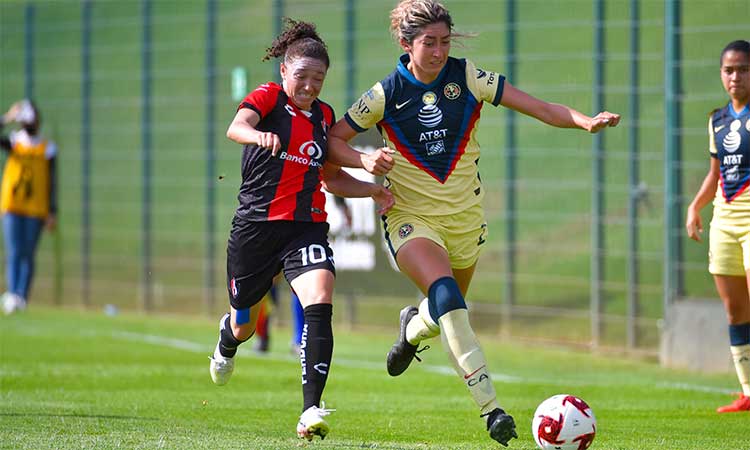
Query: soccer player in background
{"x": 427, "y": 111}
{"x": 28, "y": 199}
{"x": 726, "y": 184}
{"x": 280, "y": 223}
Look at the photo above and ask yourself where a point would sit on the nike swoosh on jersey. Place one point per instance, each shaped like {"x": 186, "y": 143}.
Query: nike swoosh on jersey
{"x": 466, "y": 377}
{"x": 401, "y": 105}
{"x": 719, "y": 128}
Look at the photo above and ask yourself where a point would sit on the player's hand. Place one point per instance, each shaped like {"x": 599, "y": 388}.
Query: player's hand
{"x": 10, "y": 116}
{"x": 270, "y": 141}
{"x": 694, "y": 225}
{"x": 379, "y": 162}
{"x": 602, "y": 120}
{"x": 383, "y": 198}
{"x": 51, "y": 222}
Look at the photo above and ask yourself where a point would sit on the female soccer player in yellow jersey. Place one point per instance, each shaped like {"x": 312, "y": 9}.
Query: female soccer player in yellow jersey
{"x": 427, "y": 111}
{"x": 28, "y": 198}
{"x": 726, "y": 183}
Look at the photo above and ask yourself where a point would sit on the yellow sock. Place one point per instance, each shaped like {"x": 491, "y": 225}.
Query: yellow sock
{"x": 468, "y": 359}
{"x": 741, "y": 357}
{"x": 421, "y": 326}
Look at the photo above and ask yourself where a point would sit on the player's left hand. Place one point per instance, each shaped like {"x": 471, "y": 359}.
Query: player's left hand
{"x": 601, "y": 120}
{"x": 51, "y": 222}
{"x": 383, "y": 198}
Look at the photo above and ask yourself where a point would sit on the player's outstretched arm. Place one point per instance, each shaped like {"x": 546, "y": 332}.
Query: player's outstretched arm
{"x": 340, "y": 183}
{"x": 707, "y": 191}
{"x": 555, "y": 114}
{"x": 242, "y": 131}
{"x": 379, "y": 162}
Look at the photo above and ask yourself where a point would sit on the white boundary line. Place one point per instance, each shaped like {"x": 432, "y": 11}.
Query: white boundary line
{"x": 193, "y": 347}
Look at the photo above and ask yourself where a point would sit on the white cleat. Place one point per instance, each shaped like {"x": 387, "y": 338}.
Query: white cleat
{"x": 12, "y": 303}
{"x": 221, "y": 369}
{"x": 312, "y": 423}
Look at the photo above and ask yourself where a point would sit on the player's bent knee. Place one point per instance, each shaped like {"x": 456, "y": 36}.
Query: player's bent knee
{"x": 444, "y": 296}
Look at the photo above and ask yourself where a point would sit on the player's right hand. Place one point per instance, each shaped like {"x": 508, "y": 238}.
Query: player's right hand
{"x": 694, "y": 225}
{"x": 270, "y": 141}
{"x": 379, "y": 162}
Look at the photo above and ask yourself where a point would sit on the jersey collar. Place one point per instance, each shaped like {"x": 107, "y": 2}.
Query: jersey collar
{"x": 736, "y": 114}
{"x": 403, "y": 62}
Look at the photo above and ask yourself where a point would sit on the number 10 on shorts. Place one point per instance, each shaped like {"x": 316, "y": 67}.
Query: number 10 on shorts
{"x": 313, "y": 254}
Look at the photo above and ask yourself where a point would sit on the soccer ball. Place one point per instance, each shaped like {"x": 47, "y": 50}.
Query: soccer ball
{"x": 563, "y": 422}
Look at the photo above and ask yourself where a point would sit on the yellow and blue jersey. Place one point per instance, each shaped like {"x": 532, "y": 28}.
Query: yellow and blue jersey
{"x": 27, "y": 185}
{"x": 729, "y": 142}
{"x": 432, "y": 129}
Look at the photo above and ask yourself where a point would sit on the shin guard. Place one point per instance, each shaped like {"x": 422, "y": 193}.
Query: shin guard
{"x": 468, "y": 359}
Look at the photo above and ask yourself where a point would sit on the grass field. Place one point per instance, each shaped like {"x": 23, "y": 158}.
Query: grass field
{"x": 84, "y": 380}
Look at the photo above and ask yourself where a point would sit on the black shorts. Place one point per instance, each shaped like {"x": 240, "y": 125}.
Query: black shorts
{"x": 257, "y": 251}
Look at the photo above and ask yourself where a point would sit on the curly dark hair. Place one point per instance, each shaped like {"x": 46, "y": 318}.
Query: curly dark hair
{"x": 299, "y": 39}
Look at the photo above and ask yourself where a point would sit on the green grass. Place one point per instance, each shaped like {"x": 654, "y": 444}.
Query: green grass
{"x": 83, "y": 380}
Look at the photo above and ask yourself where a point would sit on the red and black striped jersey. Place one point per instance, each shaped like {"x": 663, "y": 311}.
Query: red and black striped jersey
{"x": 287, "y": 186}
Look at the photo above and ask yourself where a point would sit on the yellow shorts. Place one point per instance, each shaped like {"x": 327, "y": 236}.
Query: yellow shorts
{"x": 461, "y": 235}
{"x": 729, "y": 249}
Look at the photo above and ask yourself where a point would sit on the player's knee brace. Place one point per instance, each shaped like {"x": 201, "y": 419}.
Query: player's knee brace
{"x": 444, "y": 296}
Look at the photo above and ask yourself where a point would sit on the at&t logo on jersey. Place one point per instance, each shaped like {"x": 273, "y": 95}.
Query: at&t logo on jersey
{"x": 733, "y": 139}
{"x": 310, "y": 154}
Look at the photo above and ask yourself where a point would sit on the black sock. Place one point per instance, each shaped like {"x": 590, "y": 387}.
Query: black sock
{"x": 315, "y": 353}
{"x": 227, "y": 342}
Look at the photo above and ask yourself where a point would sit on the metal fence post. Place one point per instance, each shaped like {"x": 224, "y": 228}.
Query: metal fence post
{"x": 672, "y": 184}
{"x": 208, "y": 265}
{"x": 146, "y": 275}
{"x": 633, "y": 308}
{"x": 28, "y": 42}
{"x": 509, "y": 288}
{"x": 597, "y": 199}
{"x": 86, "y": 153}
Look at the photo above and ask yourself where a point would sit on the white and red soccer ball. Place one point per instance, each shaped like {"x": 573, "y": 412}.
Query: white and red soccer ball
{"x": 563, "y": 422}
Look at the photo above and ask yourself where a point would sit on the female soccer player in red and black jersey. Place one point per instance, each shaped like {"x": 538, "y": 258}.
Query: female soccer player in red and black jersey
{"x": 280, "y": 223}
{"x": 427, "y": 111}
{"x": 727, "y": 184}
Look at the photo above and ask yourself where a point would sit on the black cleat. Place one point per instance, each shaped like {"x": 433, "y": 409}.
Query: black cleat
{"x": 402, "y": 352}
{"x": 501, "y": 426}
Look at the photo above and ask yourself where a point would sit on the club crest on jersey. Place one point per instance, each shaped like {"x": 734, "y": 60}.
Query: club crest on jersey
{"x": 234, "y": 288}
{"x": 430, "y": 115}
{"x": 452, "y": 91}
{"x": 405, "y": 230}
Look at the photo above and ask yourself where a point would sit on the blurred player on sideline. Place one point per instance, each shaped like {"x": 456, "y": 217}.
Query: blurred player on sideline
{"x": 28, "y": 199}
{"x": 280, "y": 223}
{"x": 726, "y": 184}
{"x": 427, "y": 111}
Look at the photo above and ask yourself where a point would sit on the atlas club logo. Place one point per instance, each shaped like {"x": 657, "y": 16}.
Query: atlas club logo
{"x": 311, "y": 149}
